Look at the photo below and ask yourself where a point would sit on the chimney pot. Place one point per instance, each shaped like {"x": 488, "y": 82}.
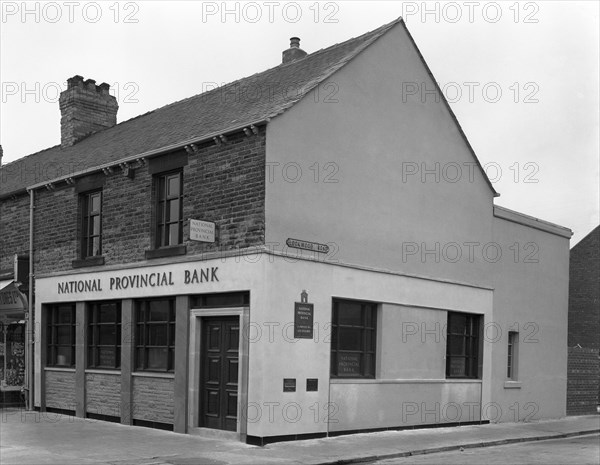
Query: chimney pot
{"x": 75, "y": 81}
{"x": 90, "y": 84}
{"x": 293, "y": 53}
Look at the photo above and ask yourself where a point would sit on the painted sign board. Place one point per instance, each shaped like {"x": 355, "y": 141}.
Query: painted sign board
{"x": 202, "y": 231}
{"x": 307, "y": 245}
{"x": 11, "y": 298}
{"x": 303, "y": 320}
{"x": 303, "y": 317}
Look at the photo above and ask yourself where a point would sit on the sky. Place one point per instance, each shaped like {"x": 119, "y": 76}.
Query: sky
{"x": 521, "y": 77}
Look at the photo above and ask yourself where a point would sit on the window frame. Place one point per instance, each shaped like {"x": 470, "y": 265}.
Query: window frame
{"x": 162, "y": 199}
{"x": 512, "y": 362}
{"x": 471, "y": 344}
{"x": 94, "y": 335}
{"x": 367, "y": 370}
{"x": 87, "y": 216}
{"x": 52, "y": 326}
{"x": 142, "y": 335}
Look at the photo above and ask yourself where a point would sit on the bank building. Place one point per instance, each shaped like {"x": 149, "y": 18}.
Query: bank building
{"x": 308, "y": 251}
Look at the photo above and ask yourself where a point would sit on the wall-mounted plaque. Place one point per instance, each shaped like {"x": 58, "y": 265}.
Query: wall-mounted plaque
{"x": 312, "y": 384}
{"x": 289, "y": 384}
{"x": 303, "y": 318}
{"x": 202, "y": 231}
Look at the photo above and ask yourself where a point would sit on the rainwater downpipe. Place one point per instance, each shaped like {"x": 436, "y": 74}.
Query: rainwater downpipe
{"x": 31, "y": 332}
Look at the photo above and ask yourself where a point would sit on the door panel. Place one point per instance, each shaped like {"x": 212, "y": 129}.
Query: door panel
{"x": 219, "y": 368}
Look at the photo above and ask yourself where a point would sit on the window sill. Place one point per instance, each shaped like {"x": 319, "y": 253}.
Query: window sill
{"x": 400, "y": 381}
{"x": 153, "y": 374}
{"x": 166, "y": 252}
{"x": 101, "y": 371}
{"x": 65, "y": 369}
{"x": 90, "y": 261}
{"x": 512, "y": 384}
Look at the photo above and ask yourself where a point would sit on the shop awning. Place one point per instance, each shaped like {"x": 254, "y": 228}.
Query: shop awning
{"x": 11, "y": 298}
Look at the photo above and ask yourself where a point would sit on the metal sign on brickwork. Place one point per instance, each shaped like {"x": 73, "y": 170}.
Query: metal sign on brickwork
{"x": 202, "y": 231}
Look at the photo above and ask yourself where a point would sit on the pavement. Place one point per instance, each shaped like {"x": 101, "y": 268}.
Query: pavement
{"x": 36, "y": 438}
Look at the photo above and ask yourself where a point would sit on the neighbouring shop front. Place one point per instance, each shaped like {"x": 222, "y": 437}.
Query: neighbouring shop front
{"x": 13, "y": 310}
{"x": 255, "y": 348}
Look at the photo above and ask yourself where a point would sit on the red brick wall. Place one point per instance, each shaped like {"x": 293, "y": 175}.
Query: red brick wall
{"x": 224, "y": 184}
{"x": 14, "y": 229}
{"x": 583, "y": 381}
{"x": 584, "y": 292}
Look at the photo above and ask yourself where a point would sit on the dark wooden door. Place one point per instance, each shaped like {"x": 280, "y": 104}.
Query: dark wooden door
{"x": 219, "y": 369}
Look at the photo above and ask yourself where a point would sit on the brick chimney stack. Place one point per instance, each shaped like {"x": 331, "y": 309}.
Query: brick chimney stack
{"x": 85, "y": 108}
{"x": 293, "y": 53}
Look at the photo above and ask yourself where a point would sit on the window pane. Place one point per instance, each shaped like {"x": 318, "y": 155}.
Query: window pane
{"x": 139, "y": 358}
{"x": 107, "y": 313}
{"x": 107, "y": 335}
{"x": 63, "y": 357}
{"x": 369, "y": 364}
{"x": 174, "y": 234}
{"x": 95, "y": 246}
{"x": 159, "y": 310}
{"x": 348, "y": 364}
{"x": 173, "y": 210}
{"x": 456, "y": 345}
{"x": 349, "y": 313}
{"x": 106, "y": 356}
{"x": 157, "y": 358}
{"x": 349, "y": 339}
{"x": 160, "y": 212}
{"x": 173, "y": 185}
{"x": 457, "y": 323}
{"x": 161, "y": 187}
{"x": 157, "y": 335}
{"x": 63, "y": 334}
{"x": 458, "y": 366}
{"x": 64, "y": 315}
{"x": 95, "y": 203}
{"x": 96, "y": 225}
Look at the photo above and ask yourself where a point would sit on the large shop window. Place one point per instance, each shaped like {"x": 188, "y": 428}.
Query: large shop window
{"x": 61, "y": 335}
{"x": 353, "y": 339}
{"x": 169, "y": 209}
{"x": 91, "y": 227}
{"x": 462, "y": 345}
{"x": 155, "y": 335}
{"x": 104, "y": 335}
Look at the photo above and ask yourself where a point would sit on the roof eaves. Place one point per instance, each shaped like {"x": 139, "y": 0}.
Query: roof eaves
{"x": 148, "y": 154}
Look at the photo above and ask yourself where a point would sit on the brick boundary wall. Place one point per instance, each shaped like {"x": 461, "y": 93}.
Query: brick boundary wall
{"x": 583, "y": 381}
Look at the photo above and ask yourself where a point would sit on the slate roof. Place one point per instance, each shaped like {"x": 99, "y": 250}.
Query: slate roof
{"x": 249, "y": 100}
